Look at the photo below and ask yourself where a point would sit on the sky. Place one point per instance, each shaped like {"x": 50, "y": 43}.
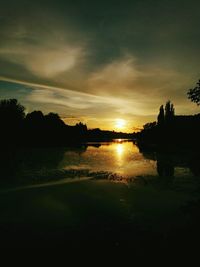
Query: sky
{"x": 100, "y": 62}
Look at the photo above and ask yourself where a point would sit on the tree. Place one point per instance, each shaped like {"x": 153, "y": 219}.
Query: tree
{"x": 53, "y": 116}
{"x": 149, "y": 125}
{"x": 35, "y": 117}
{"x": 161, "y": 116}
{"x": 194, "y": 94}
{"x": 169, "y": 111}
{"x": 11, "y": 122}
{"x": 11, "y": 113}
{"x": 53, "y": 120}
{"x": 166, "y": 114}
{"x": 82, "y": 127}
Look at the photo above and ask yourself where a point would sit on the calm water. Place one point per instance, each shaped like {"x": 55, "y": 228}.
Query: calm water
{"x": 102, "y": 194}
{"x": 122, "y": 158}
{"x": 119, "y": 161}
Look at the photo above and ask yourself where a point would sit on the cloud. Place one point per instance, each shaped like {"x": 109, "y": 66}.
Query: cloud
{"x": 66, "y": 97}
{"x": 43, "y": 61}
{"x": 41, "y": 43}
{"x": 118, "y": 73}
{"x": 100, "y": 61}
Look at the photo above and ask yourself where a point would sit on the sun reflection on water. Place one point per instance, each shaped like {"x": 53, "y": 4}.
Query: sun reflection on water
{"x": 118, "y": 157}
{"x": 120, "y": 150}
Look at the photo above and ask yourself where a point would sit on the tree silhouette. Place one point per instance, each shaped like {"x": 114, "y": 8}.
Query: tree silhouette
{"x": 11, "y": 122}
{"x": 53, "y": 120}
{"x": 161, "y": 116}
{"x": 35, "y": 116}
{"x": 82, "y": 127}
{"x": 166, "y": 114}
{"x": 169, "y": 111}
{"x": 149, "y": 125}
{"x": 11, "y": 113}
{"x": 194, "y": 94}
{"x": 37, "y": 129}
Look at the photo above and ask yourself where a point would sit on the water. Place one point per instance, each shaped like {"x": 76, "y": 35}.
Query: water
{"x": 121, "y": 161}
{"x": 122, "y": 158}
{"x": 99, "y": 194}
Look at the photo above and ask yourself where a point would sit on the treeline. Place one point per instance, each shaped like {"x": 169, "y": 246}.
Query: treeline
{"x": 103, "y": 135}
{"x": 170, "y": 130}
{"x": 37, "y": 129}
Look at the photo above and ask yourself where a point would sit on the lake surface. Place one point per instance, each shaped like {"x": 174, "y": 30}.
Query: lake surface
{"x": 119, "y": 157}
{"x": 121, "y": 161}
{"x": 106, "y": 195}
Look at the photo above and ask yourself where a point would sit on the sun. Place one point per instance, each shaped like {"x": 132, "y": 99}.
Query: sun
{"x": 120, "y": 124}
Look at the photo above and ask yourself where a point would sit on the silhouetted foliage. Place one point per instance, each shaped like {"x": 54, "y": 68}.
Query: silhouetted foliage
{"x": 35, "y": 117}
{"x": 11, "y": 122}
{"x": 102, "y": 135}
{"x": 169, "y": 111}
{"x": 171, "y": 130}
{"x": 161, "y": 116}
{"x": 11, "y": 113}
{"x": 53, "y": 120}
{"x": 166, "y": 115}
{"x": 37, "y": 129}
{"x": 149, "y": 125}
{"x": 82, "y": 127}
{"x": 194, "y": 94}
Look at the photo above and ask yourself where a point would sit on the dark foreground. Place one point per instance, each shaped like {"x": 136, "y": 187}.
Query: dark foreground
{"x": 149, "y": 215}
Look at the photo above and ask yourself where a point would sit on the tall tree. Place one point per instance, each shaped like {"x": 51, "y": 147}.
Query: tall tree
{"x": 161, "y": 116}
{"x": 169, "y": 111}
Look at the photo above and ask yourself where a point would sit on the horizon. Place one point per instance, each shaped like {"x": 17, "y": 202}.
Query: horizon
{"x": 108, "y": 64}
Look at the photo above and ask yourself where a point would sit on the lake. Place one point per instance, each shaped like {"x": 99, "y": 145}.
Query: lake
{"x": 120, "y": 160}
{"x": 100, "y": 194}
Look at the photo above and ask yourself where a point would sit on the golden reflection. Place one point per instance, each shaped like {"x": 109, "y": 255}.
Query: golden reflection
{"x": 120, "y": 149}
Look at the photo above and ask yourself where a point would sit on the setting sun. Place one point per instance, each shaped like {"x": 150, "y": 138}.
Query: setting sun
{"x": 120, "y": 124}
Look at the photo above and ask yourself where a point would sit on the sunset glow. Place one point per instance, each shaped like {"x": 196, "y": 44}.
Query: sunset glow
{"x": 120, "y": 124}
{"x": 100, "y": 126}
{"x": 61, "y": 61}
